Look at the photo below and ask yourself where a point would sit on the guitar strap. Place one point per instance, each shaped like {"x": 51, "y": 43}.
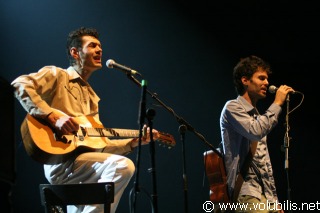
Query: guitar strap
{"x": 244, "y": 170}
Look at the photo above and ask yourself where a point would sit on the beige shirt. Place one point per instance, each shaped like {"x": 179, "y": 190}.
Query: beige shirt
{"x": 54, "y": 88}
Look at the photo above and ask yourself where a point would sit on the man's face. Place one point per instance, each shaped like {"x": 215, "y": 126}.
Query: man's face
{"x": 91, "y": 53}
{"x": 258, "y": 84}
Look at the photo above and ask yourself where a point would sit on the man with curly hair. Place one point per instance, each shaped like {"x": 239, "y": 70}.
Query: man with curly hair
{"x": 244, "y": 137}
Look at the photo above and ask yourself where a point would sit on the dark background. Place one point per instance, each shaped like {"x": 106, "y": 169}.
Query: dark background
{"x": 186, "y": 50}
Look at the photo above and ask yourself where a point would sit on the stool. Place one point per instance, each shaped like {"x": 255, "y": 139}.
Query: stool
{"x": 61, "y": 195}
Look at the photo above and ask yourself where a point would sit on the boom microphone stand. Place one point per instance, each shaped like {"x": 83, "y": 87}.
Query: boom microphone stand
{"x": 150, "y": 115}
{"x": 142, "y": 115}
{"x": 180, "y": 120}
{"x": 185, "y": 125}
{"x": 182, "y": 130}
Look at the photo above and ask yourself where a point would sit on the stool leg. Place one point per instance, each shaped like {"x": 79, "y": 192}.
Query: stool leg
{"x": 107, "y": 205}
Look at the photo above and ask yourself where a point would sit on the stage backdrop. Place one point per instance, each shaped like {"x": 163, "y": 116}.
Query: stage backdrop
{"x": 186, "y": 51}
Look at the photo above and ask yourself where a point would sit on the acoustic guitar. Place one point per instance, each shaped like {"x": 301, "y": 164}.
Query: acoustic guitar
{"x": 45, "y": 146}
{"x": 217, "y": 178}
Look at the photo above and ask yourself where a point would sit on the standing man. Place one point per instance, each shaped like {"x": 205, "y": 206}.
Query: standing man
{"x": 58, "y": 97}
{"x": 244, "y": 137}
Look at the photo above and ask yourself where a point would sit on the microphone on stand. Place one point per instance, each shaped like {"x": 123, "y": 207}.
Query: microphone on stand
{"x": 273, "y": 89}
{"x": 287, "y": 138}
{"x": 127, "y": 70}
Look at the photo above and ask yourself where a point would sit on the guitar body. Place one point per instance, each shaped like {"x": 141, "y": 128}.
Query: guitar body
{"x": 217, "y": 177}
{"x": 43, "y": 145}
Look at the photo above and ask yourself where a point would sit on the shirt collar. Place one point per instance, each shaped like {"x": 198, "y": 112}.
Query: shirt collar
{"x": 73, "y": 73}
{"x": 247, "y": 106}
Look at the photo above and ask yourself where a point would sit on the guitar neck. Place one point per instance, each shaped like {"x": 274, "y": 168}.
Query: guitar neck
{"x": 111, "y": 132}
{"x": 45, "y": 146}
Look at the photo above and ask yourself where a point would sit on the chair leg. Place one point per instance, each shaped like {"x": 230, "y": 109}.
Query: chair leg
{"x": 107, "y": 205}
{"x": 52, "y": 208}
{"x": 107, "y": 208}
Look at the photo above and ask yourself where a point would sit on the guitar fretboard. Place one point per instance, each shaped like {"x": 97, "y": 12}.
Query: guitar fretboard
{"x": 110, "y": 132}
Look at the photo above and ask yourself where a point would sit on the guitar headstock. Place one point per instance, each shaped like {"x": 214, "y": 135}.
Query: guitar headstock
{"x": 166, "y": 139}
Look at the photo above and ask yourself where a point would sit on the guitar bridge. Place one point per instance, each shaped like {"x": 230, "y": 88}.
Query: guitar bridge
{"x": 82, "y": 134}
{"x": 62, "y": 139}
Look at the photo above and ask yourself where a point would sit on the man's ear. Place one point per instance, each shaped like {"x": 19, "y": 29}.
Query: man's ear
{"x": 74, "y": 53}
{"x": 244, "y": 80}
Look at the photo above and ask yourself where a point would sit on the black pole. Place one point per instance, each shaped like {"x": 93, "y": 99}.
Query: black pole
{"x": 182, "y": 130}
{"x": 142, "y": 115}
{"x": 286, "y": 150}
{"x": 150, "y": 115}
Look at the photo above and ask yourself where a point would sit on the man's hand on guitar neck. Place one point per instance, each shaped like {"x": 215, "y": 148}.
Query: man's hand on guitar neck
{"x": 146, "y": 137}
{"x": 63, "y": 123}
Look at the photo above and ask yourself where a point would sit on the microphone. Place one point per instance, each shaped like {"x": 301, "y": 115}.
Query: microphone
{"x": 127, "y": 70}
{"x": 273, "y": 89}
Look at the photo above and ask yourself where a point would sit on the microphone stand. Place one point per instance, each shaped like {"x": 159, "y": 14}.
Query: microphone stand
{"x": 286, "y": 148}
{"x": 182, "y": 130}
{"x": 150, "y": 115}
{"x": 142, "y": 115}
{"x": 181, "y": 121}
